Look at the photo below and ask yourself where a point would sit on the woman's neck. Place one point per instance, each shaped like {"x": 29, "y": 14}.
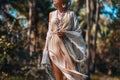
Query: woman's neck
{"x": 61, "y": 9}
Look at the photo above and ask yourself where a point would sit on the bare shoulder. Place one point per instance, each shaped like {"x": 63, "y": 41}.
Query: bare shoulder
{"x": 50, "y": 14}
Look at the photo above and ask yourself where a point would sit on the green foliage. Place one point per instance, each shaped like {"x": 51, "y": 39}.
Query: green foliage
{"x": 14, "y": 42}
{"x": 107, "y": 41}
{"x": 108, "y": 47}
{"x": 10, "y": 43}
{"x": 114, "y": 2}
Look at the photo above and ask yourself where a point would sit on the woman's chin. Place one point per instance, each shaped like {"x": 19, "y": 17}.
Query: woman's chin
{"x": 55, "y": 3}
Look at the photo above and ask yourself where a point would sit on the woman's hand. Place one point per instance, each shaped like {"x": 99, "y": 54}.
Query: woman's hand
{"x": 61, "y": 34}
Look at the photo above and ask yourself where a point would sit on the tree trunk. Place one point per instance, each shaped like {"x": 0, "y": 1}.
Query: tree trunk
{"x": 33, "y": 26}
{"x": 88, "y": 37}
{"x": 29, "y": 28}
{"x": 95, "y": 35}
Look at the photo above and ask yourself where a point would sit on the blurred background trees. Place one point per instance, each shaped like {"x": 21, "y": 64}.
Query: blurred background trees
{"x": 23, "y": 27}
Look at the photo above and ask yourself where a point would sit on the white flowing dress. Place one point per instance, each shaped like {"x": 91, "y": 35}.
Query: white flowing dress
{"x": 64, "y": 52}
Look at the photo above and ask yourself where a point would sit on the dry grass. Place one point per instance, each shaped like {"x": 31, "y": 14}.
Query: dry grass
{"x": 97, "y": 76}
{"x": 101, "y": 76}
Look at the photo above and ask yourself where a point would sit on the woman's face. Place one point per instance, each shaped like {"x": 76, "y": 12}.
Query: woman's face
{"x": 57, "y": 2}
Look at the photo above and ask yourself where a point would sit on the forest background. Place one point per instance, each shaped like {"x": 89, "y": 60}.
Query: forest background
{"x": 23, "y": 28}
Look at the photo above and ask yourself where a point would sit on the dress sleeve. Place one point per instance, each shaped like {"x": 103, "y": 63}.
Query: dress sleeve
{"x": 45, "y": 58}
{"x": 75, "y": 36}
{"x": 47, "y": 36}
{"x": 75, "y": 23}
{"x": 48, "y": 33}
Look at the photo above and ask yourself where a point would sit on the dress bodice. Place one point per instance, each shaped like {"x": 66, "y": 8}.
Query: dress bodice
{"x": 64, "y": 24}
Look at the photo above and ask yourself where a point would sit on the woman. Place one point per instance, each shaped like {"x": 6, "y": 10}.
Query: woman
{"x": 65, "y": 47}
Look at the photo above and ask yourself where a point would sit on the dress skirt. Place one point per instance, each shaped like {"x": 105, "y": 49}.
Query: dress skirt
{"x": 58, "y": 54}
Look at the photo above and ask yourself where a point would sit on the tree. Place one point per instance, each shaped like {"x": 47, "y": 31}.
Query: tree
{"x": 88, "y": 36}
{"x": 18, "y": 32}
